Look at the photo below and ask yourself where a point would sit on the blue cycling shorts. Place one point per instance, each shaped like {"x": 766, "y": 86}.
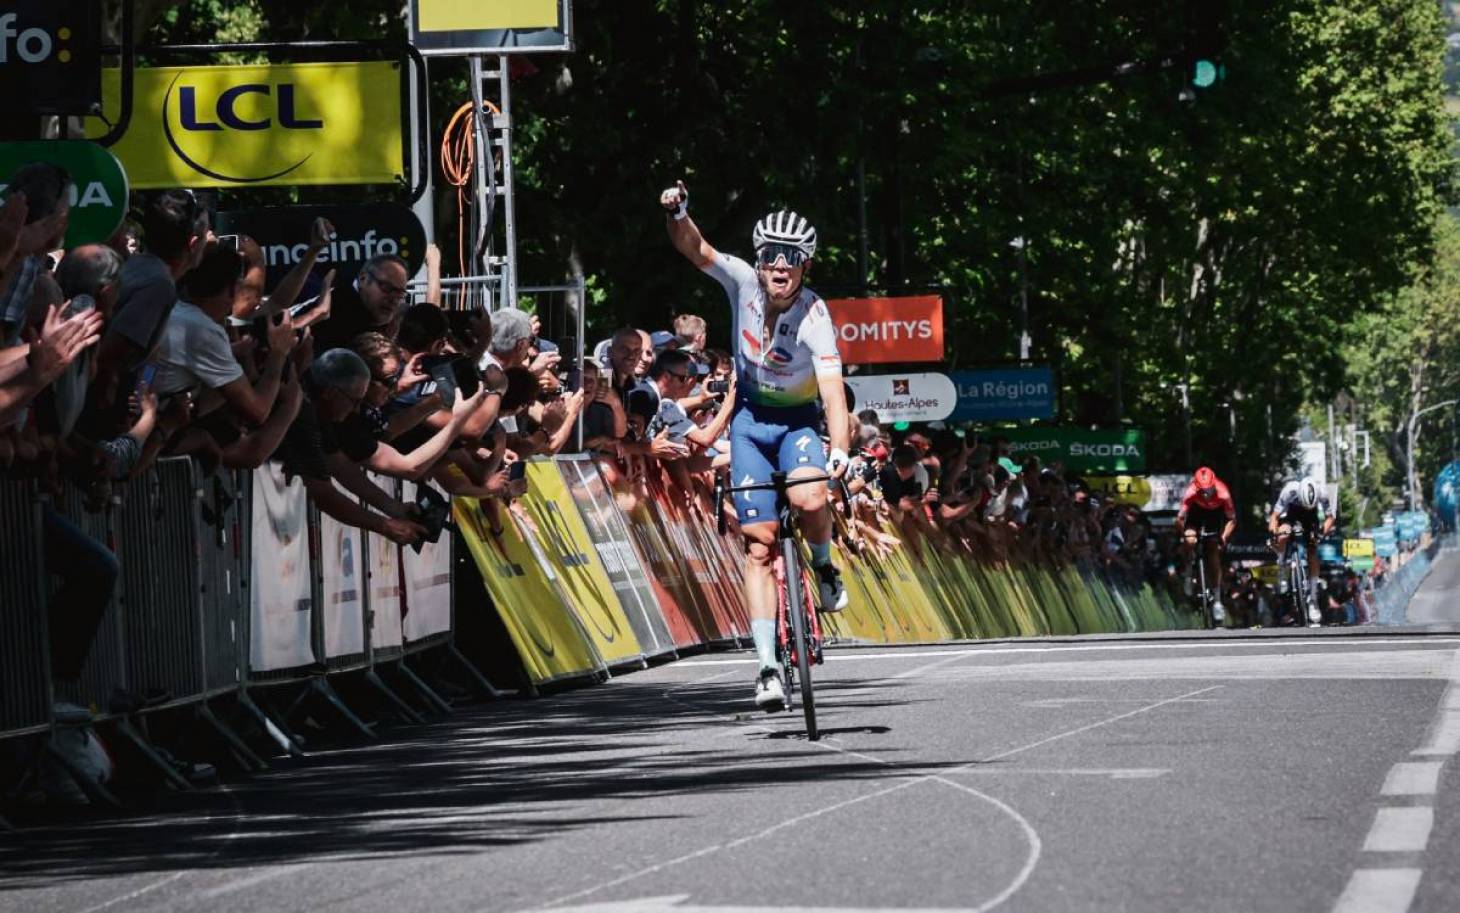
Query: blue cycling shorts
{"x": 764, "y": 439}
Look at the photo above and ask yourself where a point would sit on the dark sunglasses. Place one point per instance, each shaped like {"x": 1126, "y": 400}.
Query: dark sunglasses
{"x": 391, "y": 380}
{"x": 390, "y": 289}
{"x": 768, "y": 255}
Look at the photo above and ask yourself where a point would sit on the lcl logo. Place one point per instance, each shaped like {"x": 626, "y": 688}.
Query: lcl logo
{"x": 33, "y": 45}
{"x": 225, "y": 116}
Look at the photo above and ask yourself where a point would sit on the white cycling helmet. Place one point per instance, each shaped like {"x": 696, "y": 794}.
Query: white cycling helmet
{"x": 785, "y": 228}
{"x": 1308, "y": 494}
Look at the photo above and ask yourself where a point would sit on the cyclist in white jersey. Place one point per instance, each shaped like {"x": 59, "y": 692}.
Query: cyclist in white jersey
{"x": 786, "y": 359}
{"x": 1306, "y": 503}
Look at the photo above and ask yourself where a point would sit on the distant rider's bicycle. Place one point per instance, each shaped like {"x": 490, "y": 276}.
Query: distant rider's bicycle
{"x": 1294, "y": 572}
{"x": 1205, "y": 595}
{"x": 798, "y": 628}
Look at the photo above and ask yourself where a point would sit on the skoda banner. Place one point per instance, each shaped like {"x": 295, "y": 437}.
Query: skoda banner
{"x": 361, "y": 232}
{"x": 491, "y": 26}
{"x": 905, "y": 397}
{"x": 1121, "y": 450}
{"x": 50, "y": 56}
{"x": 1004, "y": 394}
{"x": 259, "y": 126}
{"x": 99, "y": 190}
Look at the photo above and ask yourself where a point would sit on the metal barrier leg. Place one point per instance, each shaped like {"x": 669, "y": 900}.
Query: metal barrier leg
{"x": 475, "y": 674}
{"x": 405, "y": 710}
{"x": 98, "y": 794}
{"x": 125, "y": 727}
{"x": 430, "y": 695}
{"x": 323, "y": 688}
{"x": 245, "y": 755}
{"x": 285, "y": 739}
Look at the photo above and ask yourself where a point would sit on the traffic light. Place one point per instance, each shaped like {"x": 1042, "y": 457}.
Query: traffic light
{"x": 1206, "y": 73}
{"x": 1205, "y": 41}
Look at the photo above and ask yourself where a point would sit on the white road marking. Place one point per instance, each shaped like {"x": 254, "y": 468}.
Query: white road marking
{"x": 1400, "y": 830}
{"x": 1078, "y": 730}
{"x": 1412, "y": 778}
{"x": 677, "y": 903}
{"x": 1379, "y": 891}
{"x": 1114, "y": 773}
{"x": 997, "y": 649}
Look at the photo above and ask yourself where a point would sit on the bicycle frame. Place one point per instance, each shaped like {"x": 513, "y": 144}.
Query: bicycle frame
{"x": 798, "y": 632}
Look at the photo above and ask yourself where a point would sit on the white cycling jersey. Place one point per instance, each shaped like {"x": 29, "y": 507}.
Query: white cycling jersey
{"x": 780, "y": 369}
{"x": 1290, "y": 501}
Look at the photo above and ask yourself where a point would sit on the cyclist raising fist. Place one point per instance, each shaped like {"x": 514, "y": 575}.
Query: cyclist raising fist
{"x": 786, "y": 358}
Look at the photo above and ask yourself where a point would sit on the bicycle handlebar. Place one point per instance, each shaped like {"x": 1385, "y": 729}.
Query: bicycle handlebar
{"x": 779, "y": 483}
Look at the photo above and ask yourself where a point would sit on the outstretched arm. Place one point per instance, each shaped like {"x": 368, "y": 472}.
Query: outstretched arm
{"x": 683, "y": 232}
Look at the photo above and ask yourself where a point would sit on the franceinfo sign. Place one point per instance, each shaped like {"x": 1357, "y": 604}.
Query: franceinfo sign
{"x": 1121, "y": 450}
{"x": 361, "y": 232}
{"x": 905, "y": 397}
{"x": 1003, "y": 394}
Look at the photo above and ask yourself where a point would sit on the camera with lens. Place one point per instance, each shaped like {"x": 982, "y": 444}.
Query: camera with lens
{"x": 717, "y": 387}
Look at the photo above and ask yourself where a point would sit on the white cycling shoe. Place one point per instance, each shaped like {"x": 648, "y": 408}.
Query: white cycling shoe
{"x": 769, "y": 696}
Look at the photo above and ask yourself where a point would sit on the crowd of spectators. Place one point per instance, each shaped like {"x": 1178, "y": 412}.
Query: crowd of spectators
{"x": 166, "y": 341}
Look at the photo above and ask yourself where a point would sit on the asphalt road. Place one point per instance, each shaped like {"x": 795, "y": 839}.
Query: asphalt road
{"x": 1230, "y": 771}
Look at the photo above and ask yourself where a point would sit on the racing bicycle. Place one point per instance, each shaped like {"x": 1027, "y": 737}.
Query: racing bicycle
{"x": 1205, "y": 594}
{"x": 799, "y": 643}
{"x": 1293, "y": 571}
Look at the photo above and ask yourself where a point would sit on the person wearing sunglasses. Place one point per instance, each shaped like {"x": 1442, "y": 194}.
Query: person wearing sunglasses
{"x": 367, "y": 304}
{"x": 786, "y": 360}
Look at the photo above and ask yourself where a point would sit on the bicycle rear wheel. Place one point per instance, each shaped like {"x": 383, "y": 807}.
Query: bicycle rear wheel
{"x": 800, "y": 635}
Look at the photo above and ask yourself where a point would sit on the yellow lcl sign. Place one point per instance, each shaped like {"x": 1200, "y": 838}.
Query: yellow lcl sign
{"x": 258, "y": 126}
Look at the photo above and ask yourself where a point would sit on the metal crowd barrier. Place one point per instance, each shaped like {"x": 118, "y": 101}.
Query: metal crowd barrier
{"x": 25, "y": 674}
{"x": 185, "y": 614}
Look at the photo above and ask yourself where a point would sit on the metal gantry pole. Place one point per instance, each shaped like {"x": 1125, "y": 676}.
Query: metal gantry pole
{"x": 481, "y": 140}
{"x": 509, "y": 209}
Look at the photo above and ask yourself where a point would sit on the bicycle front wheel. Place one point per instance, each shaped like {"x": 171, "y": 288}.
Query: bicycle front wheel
{"x": 800, "y": 634}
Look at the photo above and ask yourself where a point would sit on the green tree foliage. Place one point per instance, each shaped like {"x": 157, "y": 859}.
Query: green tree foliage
{"x": 1225, "y": 244}
{"x": 1405, "y": 357}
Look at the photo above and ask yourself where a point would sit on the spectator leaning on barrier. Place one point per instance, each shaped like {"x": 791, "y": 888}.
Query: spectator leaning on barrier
{"x": 674, "y": 375}
{"x": 369, "y": 302}
{"x": 195, "y": 351}
{"x": 336, "y": 384}
{"x": 177, "y": 234}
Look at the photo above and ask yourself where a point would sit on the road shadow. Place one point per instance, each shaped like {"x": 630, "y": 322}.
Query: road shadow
{"x": 489, "y": 776}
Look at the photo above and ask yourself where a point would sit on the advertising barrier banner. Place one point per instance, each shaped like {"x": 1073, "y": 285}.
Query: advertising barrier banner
{"x": 581, "y": 575}
{"x": 1358, "y": 548}
{"x": 98, "y": 196}
{"x": 880, "y": 331}
{"x": 50, "y": 57}
{"x": 1119, "y": 450}
{"x": 281, "y": 604}
{"x": 1004, "y": 394}
{"x": 605, "y": 527}
{"x": 1152, "y": 494}
{"x": 905, "y": 397}
{"x": 428, "y": 582}
{"x": 523, "y": 587}
{"x": 342, "y": 569}
{"x": 258, "y": 126}
{"x": 461, "y": 27}
{"x": 362, "y": 231}
{"x": 383, "y": 571}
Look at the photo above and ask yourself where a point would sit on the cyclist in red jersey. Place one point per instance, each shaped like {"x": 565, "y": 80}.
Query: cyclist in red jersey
{"x": 1207, "y": 507}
